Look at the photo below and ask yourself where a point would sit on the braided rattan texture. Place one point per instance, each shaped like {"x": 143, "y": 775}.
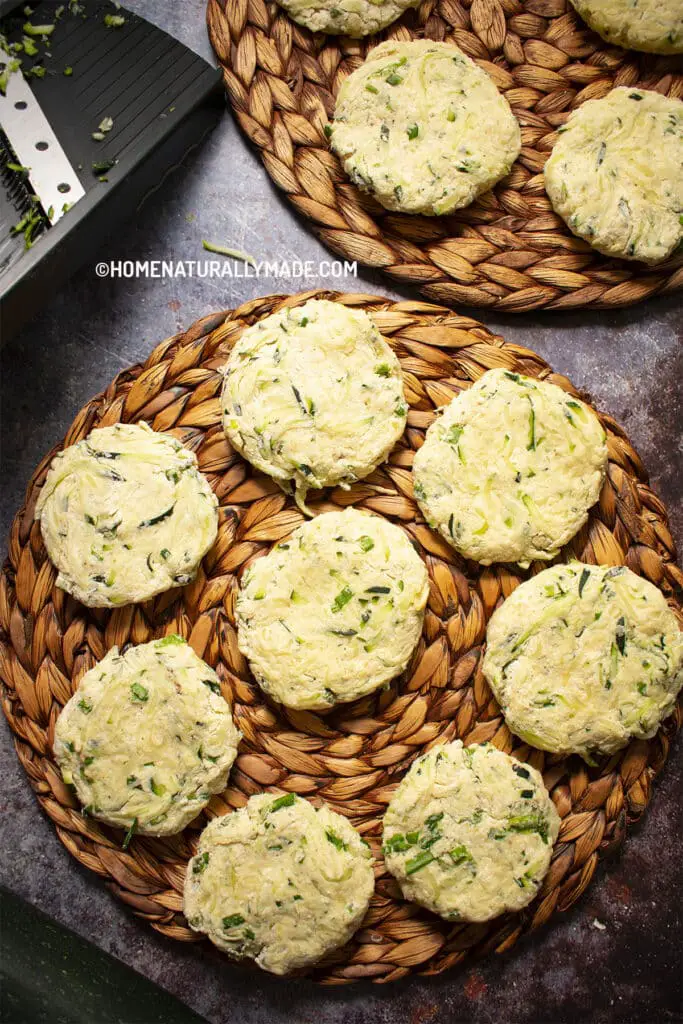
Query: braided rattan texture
{"x": 353, "y": 757}
{"x": 509, "y": 250}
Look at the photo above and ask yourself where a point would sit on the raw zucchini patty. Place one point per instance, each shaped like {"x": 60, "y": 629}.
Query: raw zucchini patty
{"x": 314, "y": 395}
{"x": 333, "y": 612}
{"x": 615, "y": 175}
{"x": 353, "y": 18}
{"x": 469, "y": 832}
{"x": 510, "y": 470}
{"x": 280, "y": 882}
{"x": 422, "y": 128}
{"x": 582, "y": 658}
{"x": 125, "y": 514}
{"x": 655, "y": 26}
{"x": 147, "y": 738}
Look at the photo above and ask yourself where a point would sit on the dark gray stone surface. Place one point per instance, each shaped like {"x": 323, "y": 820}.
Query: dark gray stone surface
{"x": 632, "y": 364}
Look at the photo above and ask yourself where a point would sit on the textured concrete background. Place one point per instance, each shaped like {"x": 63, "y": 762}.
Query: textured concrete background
{"x": 632, "y": 363}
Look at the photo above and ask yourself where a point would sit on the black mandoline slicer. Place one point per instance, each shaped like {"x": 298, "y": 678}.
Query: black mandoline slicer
{"x": 98, "y": 71}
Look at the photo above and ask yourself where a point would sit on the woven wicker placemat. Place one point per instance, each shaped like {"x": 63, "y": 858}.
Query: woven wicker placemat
{"x": 353, "y": 757}
{"x": 509, "y": 250}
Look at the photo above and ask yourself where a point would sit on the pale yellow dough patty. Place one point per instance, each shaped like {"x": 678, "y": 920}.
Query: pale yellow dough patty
{"x": 125, "y": 514}
{"x": 313, "y": 396}
{"x": 655, "y": 26}
{"x": 510, "y": 470}
{"x": 147, "y": 738}
{"x": 422, "y": 128}
{"x": 469, "y": 832}
{"x": 353, "y": 18}
{"x": 334, "y": 612}
{"x": 280, "y": 882}
{"x": 582, "y": 658}
{"x": 615, "y": 175}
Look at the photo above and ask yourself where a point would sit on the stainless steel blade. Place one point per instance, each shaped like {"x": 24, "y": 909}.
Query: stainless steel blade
{"x": 52, "y": 177}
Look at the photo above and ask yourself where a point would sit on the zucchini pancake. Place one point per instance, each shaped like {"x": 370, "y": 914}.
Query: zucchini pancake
{"x": 510, "y": 470}
{"x": 422, "y": 128}
{"x": 469, "y": 832}
{"x": 655, "y": 26}
{"x": 333, "y": 612}
{"x": 582, "y": 658}
{"x": 313, "y": 396}
{"x": 353, "y": 18}
{"x": 125, "y": 514}
{"x": 279, "y": 881}
{"x": 615, "y": 174}
{"x": 147, "y": 738}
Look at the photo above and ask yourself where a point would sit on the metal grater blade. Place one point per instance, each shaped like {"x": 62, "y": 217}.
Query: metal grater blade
{"x": 50, "y": 173}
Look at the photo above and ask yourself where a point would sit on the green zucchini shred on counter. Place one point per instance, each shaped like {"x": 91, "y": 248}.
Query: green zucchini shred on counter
{"x": 37, "y": 30}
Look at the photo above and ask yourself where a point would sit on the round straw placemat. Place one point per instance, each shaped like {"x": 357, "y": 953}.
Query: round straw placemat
{"x": 509, "y": 250}
{"x": 353, "y": 757}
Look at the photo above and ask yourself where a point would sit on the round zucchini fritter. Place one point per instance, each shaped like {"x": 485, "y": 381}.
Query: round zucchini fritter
{"x": 314, "y": 395}
{"x": 147, "y": 738}
{"x": 615, "y": 175}
{"x": 510, "y": 470}
{"x": 125, "y": 514}
{"x": 469, "y": 832}
{"x": 655, "y": 26}
{"x": 582, "y": 658}
{"x": 280, "y": 882}
{"x": 353, "y": 18}
{"x": 422, "y": 128}
{"x": 333, "y": 612}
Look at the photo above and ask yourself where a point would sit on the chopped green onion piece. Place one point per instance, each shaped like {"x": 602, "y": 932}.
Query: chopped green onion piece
{"x": 130, "y": 833}
{"x": 232, "y": 921}
{"x": 419, "y": 862}
{"x": 282, "y": 801}
{"x": 139, "y": 692}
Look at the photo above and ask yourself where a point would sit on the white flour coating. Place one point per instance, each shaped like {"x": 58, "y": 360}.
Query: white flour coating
{"x": 510, "y": 470}
{"x": 333, "y": 612}
{"x": 125, "y": 514}
{"x": 147, "y": 738}
{"x": 582, "y": 658}
{"x": 280, "y": 882}
{"x": 422, "y": 128}
{"x": 313, "y": 396}
{"x": 469, "y": 832}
